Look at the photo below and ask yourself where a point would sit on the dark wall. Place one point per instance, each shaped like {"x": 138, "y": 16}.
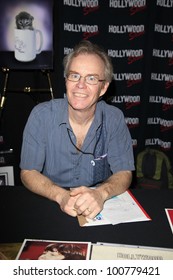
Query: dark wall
{"x": 138, "y": 35}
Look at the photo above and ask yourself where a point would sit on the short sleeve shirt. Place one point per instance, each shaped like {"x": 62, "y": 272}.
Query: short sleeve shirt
{"x": 49, "y": 145}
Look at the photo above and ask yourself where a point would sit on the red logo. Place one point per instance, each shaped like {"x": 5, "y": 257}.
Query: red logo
{"x": 130, "y": 104}
{"x": 135, "y": 10}
{"x": 166, "y": 107}
{"x": 132, "y": 59}
{"x": 87, "y": 35}
{"x": 165, "y": 128}
{"x": 169, "y": 85}
{"x": 88, "y": 10}
{"x": 131, "y": 83}
{"x": 133, "y": 35}
{"x": 170, "y": 61}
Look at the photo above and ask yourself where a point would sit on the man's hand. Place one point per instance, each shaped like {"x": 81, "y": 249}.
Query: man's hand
{"x": 87, "y": 202}
{"x": 67, "y": 203}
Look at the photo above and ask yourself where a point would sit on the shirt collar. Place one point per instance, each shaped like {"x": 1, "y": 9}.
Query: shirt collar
{"x": 98, "y": 118}
{"x": 64, "y": 113}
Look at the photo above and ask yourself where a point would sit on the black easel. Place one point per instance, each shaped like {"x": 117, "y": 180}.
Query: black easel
{"x": 25, "y": 89}
{"x": 3, "y": 97}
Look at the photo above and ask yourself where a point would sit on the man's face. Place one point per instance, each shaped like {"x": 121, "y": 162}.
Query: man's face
{"x": 81, "y": 95}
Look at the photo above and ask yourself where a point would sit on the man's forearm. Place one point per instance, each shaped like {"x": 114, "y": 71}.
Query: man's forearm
{"x": 40, "y": 184}
{"x": 115, "y": 184}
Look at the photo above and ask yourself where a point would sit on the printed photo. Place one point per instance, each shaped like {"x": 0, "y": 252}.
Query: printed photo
{"x": 54, "y": 250}
{"x": 26, "y": 31}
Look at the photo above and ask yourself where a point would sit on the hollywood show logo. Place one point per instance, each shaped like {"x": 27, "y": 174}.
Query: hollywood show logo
{"x": 131, "y": 78}
{"x": 167, "y": 78}
{"x": 165, "y": 3}
{"x": 87, "y": 30}
{"x": 163, "y": 53}
{"x": 132, "y": 55}
{"x": 129, "y": 100}
{"x": 162, "y": 28}
{"x": 165, "y": 29}
{"x": 165, "y": 125}
{"x": 134, "y": 31}
{"x": 166, "y": 146}
{"x": 135, "y": 6}
{"x": 167, "y": 103}
{"x": 89, "y": 6}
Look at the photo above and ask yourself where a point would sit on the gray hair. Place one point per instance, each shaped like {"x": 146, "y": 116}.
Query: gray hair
{"x": 86, "y": 47}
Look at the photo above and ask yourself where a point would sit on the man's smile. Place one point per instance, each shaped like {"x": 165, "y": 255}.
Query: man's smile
{"x": 80, "y": 95}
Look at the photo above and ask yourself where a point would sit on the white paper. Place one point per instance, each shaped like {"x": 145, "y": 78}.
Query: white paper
{"x": 120, "y": 209}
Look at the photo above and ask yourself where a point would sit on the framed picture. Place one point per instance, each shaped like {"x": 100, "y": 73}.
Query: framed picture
{"x": 6, "y": 176}
{"x": 26, "y": 31}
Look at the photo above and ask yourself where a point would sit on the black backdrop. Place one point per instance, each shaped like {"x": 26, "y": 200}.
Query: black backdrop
{"x": 138, "y": 35}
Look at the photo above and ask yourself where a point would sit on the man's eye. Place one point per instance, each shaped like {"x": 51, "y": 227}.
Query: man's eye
{"x": 92, "y": 78}
{"x": 74, "y": 76}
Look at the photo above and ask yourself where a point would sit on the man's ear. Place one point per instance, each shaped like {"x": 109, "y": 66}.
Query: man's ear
{"x": 104, "y": 88}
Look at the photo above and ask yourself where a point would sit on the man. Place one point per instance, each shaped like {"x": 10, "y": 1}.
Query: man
{"x": 79, "y": 142}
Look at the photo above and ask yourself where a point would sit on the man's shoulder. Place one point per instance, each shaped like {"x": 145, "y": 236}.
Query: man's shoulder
{"x": 50, "y": 106}
{"x": 110, "y": 110}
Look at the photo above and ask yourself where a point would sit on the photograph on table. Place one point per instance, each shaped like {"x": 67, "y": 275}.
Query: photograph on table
{"x": 33, "y": 249}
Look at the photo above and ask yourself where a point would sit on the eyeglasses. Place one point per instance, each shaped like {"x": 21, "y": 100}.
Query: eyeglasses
{"x": 89, "y": 79}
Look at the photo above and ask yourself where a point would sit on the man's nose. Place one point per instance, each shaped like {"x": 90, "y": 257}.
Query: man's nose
{"x": 81, "y": 82}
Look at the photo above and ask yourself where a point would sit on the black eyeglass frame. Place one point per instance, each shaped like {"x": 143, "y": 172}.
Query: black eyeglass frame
{"x": 80, "y": 76}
